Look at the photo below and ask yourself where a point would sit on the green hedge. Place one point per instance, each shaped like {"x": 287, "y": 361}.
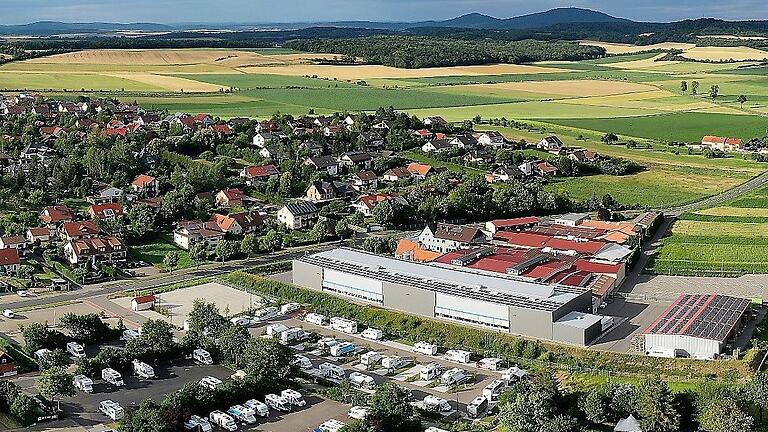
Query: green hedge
{"x": 24, "y": 363}
{"x": 487, "y": 343}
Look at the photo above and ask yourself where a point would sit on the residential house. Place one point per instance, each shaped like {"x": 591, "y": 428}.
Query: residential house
{"x": 443, "y": 237}
{"x": 18, "y": 242}
{"x": 274, "y": 153}
{"x": 366, "y": 203}
{"x": 38, "y": 235}
{"x": 230, "y": 198}
{"x": 507, "y": 174}
{"x": 105, "y": 193}
{"x": 583, "y": 156}
{"x": 222, "y": 129}
{"x": 492, "y": 139}
{"x": 383, "y": 126}
{"x": 53, "y": 216}
{"x": 78, "y": 230}
{"x": 724, "y": 144}
{"x": 298, "y": 215}
{"x": 478, "y": 156}
{"x": 7, "y": 365}
{"x": 324, "y": 163}
{"x": 357, "y": 160}
{"x": 141, "y": 303}
{"x": 101, "y": 249}
{"x": 238, "y": 223}
{"x": 312, "y": 147}
{"x": 435, "y": 121}
{"x": 188, "y": 233}
{"x": 396, "y": 174}
{"x": 437, "y": 146}
{"x": 514, "y": 224}
{"x": 106, "y": 212}
{"x": 551, "y": 144}
{"x": 320, "y": 191}
{"x": 263, "y": 139}
{"x": 410, "y": 250}
{"x": 365, "y": 179}
{"x": 254, "y": 174}
{"x": 373, "y": 141}
{"x": 9, "y": 261}
{"x": 146, "y": 185}
{"x": 465, "y": 141}
{"x": 546, "y": 169}
{"x": 419, "y": 170}
{"x": 527, "y": 168}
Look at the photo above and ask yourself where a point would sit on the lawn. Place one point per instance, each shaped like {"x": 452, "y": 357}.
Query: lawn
{"x": 154, "y": 252}
{"x": 436, "y": 163}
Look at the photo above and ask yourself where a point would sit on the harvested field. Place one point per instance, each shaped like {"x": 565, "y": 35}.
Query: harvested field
{"x": 735, "y": 211}
{"x": 570, "y": 88}
{"x": 725, "y": 53}
{"x": 619, "y": 48}
{"x": 734, "y": 229}
{"x": 174, "y": 84}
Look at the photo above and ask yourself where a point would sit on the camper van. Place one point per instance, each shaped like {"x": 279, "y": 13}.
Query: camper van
{"x": 331, "y": 425}
{"x": 143, "y": 370}
{"x": 454, "y": 376}
{"x": 277, "y": 402}
{"x": 430, "y": 371}
{"x": 112, "y": 376}
{"x": 75, "y": 349}
{"x": 493, "y": 390}
{"x": 294, "y": 334}
{"x": 223, "y": 420}
{"x": 210, "y": 382}
{"x": 83, "y": 383}
{"x": 197, "y": 424}
{"x": 343, "y": 349}
{"x": 436, "y": 404}
{"x": 275, "y": 329}
{"x": 325, "y": 344}
{"x": 265, "y": 314}
{"x": 243, "y": 414}
{"x": 477, "y": 407}
{"x": 362, "y": 381}
{"x": 330, "y": 370}
{"x": 294, "y": 397}
{"x": 314, "y": 318}
{"x": 111, "y": 409}
{"x": 425, "y": 348}
{"x": 370, "y": 358}
{"x": 395, "y": 362}
{"x": 343, "y": 325}
{"x": 302, "y": 362}
{"x": 129, "y": 334}
{"x": 260, "y": 408}
{"x": 489, "y": 363}
{"x": 459, "y": 356}
{"x": 513, "y": 374}
{"x": 372, "y": 334}
{"x": 289, "y": 308}
{"x": 202, "y": 356}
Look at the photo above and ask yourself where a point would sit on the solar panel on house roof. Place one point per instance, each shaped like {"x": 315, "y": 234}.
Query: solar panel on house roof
{"x": 703, "y": 316}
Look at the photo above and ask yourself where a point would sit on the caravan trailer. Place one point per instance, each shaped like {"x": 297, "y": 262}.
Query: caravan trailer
{"x": 425, "y": 348}
{"x": 459, "y": 356}
{"x": 330, "y": 370}
{"x": 430, "y": 371}
{"x": 343, "y": 325}
{"x": 362, "y": 381}
{"x": 315, "y": 318}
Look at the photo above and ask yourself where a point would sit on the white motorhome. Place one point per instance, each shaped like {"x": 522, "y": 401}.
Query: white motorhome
{"x": 112, "y": 376}
{"x": 277, "y": 402}
{"x": 210, "y": 382}
{"x": 362, "y": 381}
{"x": 454, "y": 376}
{"x": 372, "y": 334}
{"x": 202, "y": 356}
{"x": 265, "y": 314}
{"x": 301, "y": 361}
{"x": 325, "y": 344}
{"x": 343, "y": 325}
{"x": 129, "y": 334}
{"x": 370, "y": 358}
{"x": 289, "y": 308}
{"x": 493, "y": 390}
{"x": 425, "y": 348}
{"x": 514, "y": 374}
{"x": 275, "y": 329}
{"x": 197, "y": 424}
{"x": 111, "y": 409}
{"x": 315, "y": 318}
{"x": 222, "y": 420}
{"x": 330, "y": 370}
{"x": 83, "y": 383}
{"x": 245, "y": 415}
{"x": 293, "y": 334}
{"x": 260, "y": 408}
{"x": 42, "y": 354}
{"x": 430, "y": 371}
{"x": 242, "y": 321}
{"x": 489, "y": 363}
{"x": 143, "y": 370}
{"x": 436, "y": 404}
{"x": 331, "y": 425}
{"x": 477, "y": 407}
{"x": 395, "y": 362}
{"x": 343, "y": 349}
{"x": 293, "y": 397}
{"x": 459, "y": 356}
{"x": 75, "y": 349}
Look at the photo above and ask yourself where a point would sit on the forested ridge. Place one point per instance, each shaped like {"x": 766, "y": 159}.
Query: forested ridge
{"x": 415, "y": 52}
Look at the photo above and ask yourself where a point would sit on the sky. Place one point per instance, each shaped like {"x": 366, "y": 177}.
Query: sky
{"x": 255, "y": 11}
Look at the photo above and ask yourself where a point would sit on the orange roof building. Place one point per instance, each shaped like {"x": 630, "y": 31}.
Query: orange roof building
{"x": 411, "y": 251}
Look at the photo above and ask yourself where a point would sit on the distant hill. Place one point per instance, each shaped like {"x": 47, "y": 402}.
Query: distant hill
{"x": 46, "y": 28}
{"x": 531, "y": 21}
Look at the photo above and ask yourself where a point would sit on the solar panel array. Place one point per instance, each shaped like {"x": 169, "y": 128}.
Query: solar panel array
{"x": 456, "y": 289}
{"x": 711, "y": 317}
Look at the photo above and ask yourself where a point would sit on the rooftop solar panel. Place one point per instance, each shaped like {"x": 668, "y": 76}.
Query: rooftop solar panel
{"x": 706, "y": 316}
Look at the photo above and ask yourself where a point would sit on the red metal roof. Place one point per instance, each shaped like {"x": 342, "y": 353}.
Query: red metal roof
{"x": 586, "y": 265}
{"x": 9, "y": 256}
{"x": 585, "y": 247}
{"x": 523, "y": 239}
{"x": 144, "y": 299}
{"x": 528, "y": 220}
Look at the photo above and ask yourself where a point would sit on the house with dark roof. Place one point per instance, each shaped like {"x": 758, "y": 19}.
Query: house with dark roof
{"x": 437, "y": 146}
{"x": 254, "y": 174}
{"x": 443, "y": 237}
{"x": 396, "y": 174}
{"x": 365, "y": 179}
{"x": 298, "y": 215}
{"x": 507, "y": 174}
{"x": 465, "y": 141}
{"x": 492, "y": 139}
{"x": 18, "y": 242}
{"x": 230, "y": 198}
{"x": 188, "y": 233}
{"x": 356, "y": 160}
{"x": 551, "y": 144}
{"x": 320, "y": 191}
{"x": 7, "y": 365}
{"x": 105, "y": 193}
{"x": 238, "y": 223}
{"x": 38, "y": 235}
{"x": 328, "y": 164}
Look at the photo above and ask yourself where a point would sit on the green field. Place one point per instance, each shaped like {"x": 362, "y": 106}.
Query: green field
{"x": 155, "y": 251}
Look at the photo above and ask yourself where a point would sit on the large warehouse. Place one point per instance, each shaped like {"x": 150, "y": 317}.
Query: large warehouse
{"x": 493, "y": 301}
{"x": 696, "y": 326}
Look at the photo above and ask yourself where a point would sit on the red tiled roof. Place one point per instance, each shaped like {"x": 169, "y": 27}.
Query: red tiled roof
{"x": 144, "y": 299}
{"x": 9, "y": 256}
{"x": 261, "y": 171}
{"x": 524, "y": 239}
{"x": 142, "y": 180}
{"x": 76, "y": 229}
{"x": 222, "y": 129}
{"x": 503, "y": 223}
{"x": 417, "y": 168}
{"x": 587, "y": 247}
{"x": 586, "y": 265}
{"x": 233, "y": 194}
{"x": 370, "y": 201}
{"x": 57, "y": 213}
{"x": 101, "y": 210}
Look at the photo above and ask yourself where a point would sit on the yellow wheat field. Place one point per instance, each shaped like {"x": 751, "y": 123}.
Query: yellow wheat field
{"x": 170, "y": 83}
{"x": 725, "y": 53}
{"x": 619, "y": 48}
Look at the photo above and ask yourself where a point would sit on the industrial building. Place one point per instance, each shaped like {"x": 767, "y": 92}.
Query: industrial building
{"x": 697, "y": 326}
{"x": 493, "y": 301}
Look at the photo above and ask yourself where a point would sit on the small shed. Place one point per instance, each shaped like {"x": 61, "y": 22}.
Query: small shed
{"x": 7, "y": 365}
{"x": 141, "y": 303}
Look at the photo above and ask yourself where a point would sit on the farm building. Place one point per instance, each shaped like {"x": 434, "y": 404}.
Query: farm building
{"x": 696, "y": 326}
{"x": 493, "y": 301}
{"x": 144, "y": 302}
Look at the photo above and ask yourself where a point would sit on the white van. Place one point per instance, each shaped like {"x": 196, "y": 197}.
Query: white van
{"x": 459, "y": 356}
{"x": 430, "y": 371}
{"x": 330, "y": 370}
{"x": 277, "y": 402}
{"x": 370, "y": 358}
{"x": 202, "y": 356}
{"x": 343, "y": 325}
{"x": 293, "y": 397}
{"x": 83, "y": 383}
{"x": 260, "y": 408}
{"x": 222, "y": 420}
{"x": 75, "y": 349}
{"x": 372, "y": 334}
{"x": 425, "y": 348}
{"x": 8, "y": 313}
{"x": 111, "y": 409}
{"x": 315, "y": 318}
